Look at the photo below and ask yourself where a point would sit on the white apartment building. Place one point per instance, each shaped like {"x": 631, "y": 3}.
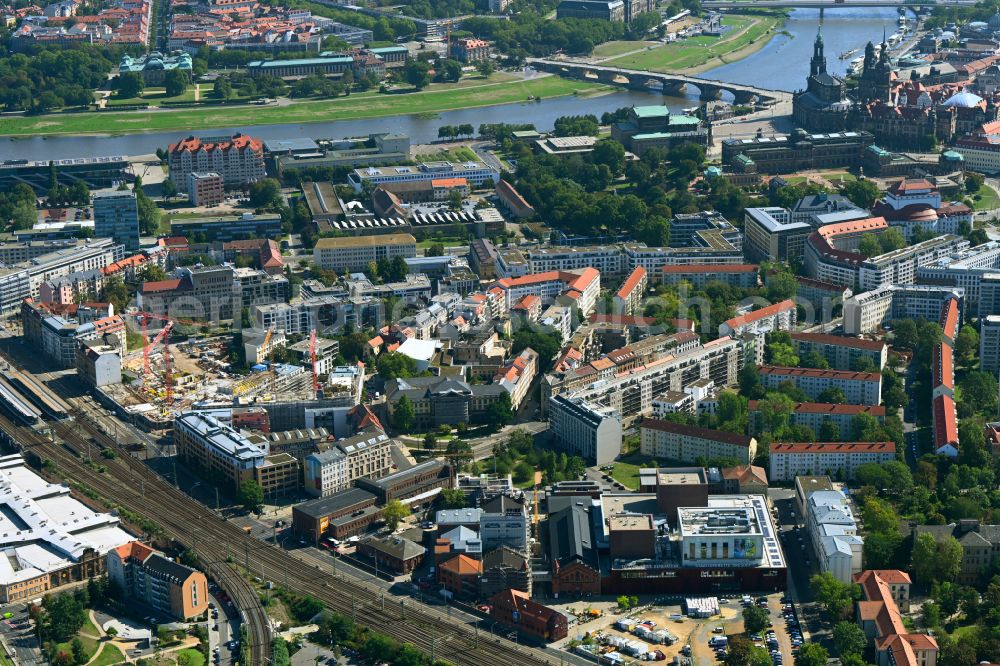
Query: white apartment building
{"x": 965, "y": 269}
{"x": 981, "y": 152}
{"x": 841, "y": 351}
{"x": 900, "y": 266}
{"x": 628, "y": 298}
{"x": 325, "y": 473}
{"x": 860, "y": 388}
{"x": 586, "y": 430}
{"x": 580, "y": 288}
{"x": 864, "y": 313}
{"x": 679, "y": 442}
{"x": 837, "y": 459}
{"x": 608, "y": 259}
{"x": 833, "y": 533}
{"x": 777, "y": 317}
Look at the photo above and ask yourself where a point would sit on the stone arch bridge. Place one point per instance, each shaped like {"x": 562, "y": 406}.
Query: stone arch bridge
{"x": 669, "y": 84}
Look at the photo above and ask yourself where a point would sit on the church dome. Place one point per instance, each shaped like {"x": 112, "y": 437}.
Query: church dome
{"x": 964, "y": 99}
{"x": 917, "y": 213}
{"x": 995, "y": 21}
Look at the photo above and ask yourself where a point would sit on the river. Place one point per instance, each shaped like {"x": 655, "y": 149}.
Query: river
{"x": 783, "y": 64}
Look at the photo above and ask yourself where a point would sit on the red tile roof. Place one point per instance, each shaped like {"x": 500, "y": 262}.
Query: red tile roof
{"x": 830, "y": 408}
{"x": 943, "y": 363}
{"x": 631, "y": 282}
{"x": 949, "y": 319}
{"x": 839, "y": 340}
{"x": 833, "y": 447}
{"x": 945, "y": 422}
{"x": 765, "y": 312}
{"x": 831, "y": 231}
{"x": 721, "y": 436}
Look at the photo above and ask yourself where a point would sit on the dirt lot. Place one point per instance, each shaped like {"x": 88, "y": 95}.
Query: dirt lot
{"x": 689, "y": 631}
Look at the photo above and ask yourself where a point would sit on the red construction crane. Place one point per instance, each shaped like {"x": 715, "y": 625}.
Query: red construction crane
{"x": 162, "y": 335}
{"x": 312, "y": 358}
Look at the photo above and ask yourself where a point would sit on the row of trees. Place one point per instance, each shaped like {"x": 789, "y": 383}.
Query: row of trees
{"x": 55, "y": 78}
{"x": 456, "y": 131}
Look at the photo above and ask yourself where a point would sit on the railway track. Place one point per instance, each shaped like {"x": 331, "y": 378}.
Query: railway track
{"x": 220, "y": 545}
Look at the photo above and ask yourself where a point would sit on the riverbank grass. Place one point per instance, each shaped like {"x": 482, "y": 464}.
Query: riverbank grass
{"x": 341, "y": 108}
{"x": 696, "y": 52}
{"x": 617, "y": 48}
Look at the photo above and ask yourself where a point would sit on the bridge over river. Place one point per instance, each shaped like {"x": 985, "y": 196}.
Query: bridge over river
{"x": 669, "y": 84}
{"x": 829, "y": 4}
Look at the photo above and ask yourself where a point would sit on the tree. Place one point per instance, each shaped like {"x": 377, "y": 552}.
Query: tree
{"x": 836, "y": 598}
{"x": 455, "y": 200}
{"x": 149, "y": 212}
{"x": 973, "y": 181}
{"x": 967, "y": 344}
{"x": 935, "y": 561}
{"x": 485, "y": 67}
{"x": 333, "y": 628}
{"x": 829, "y": 431}
{"x": 744, "y": 653}
{"x": 869, "y": 246}
{"x": 129, "y": 85}
{"x": 500, "y": 413}
{"x": 832, "y": 395}
{"x": 222, "y": 88}
{"x": 448, "y": 70}
{"x": 417, "y": 73}
{"x": 394, "y": 512}
{"x": 265, "y": 193}
{"x": 880, "y": 516}
{"x": 610, "y": 153}
{"x": 453, "y": 498}
{"x": 781, "y": 286}
{"x": 251, "y": 496}
{"x": 543, "y": 339}
{"x": 979, "y": 394}
{"x": 175, "y": 81}
{"x": 862, "y": 193}
{"x": 169, "y": 189}
{"x": 849, "y": 638}
{"x": 930, "y": 614}
{"x": 80, "y": 655}
{"x": 812, "y": 654}
{"x": 755, "y": 619}
{"x": 403, "y": 415}
{"x": 393, "y": 365}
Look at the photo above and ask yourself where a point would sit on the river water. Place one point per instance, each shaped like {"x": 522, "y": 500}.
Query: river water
{"x": 782, "y": 64}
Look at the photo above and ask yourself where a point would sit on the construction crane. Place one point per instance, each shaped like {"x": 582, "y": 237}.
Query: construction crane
{"x": 162, "y": 335}
{"x": 534, "y": 518}
{"x": 312, "y": 359}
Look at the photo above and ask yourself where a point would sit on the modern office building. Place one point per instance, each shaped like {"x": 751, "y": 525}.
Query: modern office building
{"x": 116, "y": 216}
{"x": 228, "y": 227}
{"x": 95, "y": 172}
{"x": 838, "y": 459}
{"x": 50, "y": 539}
{"x": 477, "y": 174}
{"x": 230, "y": 457}
{"x": 154, "y": 580}
{"x": 989, "y": 344}
{"x": 770, "y": 234}
{"x": 357, "y": 252}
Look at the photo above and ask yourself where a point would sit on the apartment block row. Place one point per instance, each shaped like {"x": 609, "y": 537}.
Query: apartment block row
{"x": 859, "y": 388}
{"x": 866, "y": 312}
{"x": 837, "y": 459}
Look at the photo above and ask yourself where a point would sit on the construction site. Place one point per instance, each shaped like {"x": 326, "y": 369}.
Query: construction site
{"x": 164, "y": 377}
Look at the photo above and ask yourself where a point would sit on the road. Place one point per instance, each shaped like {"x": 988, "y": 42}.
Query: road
{"x": 18, "y": 635}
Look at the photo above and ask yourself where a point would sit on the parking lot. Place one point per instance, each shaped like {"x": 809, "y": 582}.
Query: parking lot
{"x": 695, "y": 641}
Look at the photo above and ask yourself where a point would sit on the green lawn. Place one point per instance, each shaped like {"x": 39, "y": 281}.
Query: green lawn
{"x": 426, "y": 243}
{"x": 697, "y": 51}
{"x": 89, "y": 627}
{"x": 617, "y": 48}
{"x": 836, "y": 176}
{"x": 626, "y": 474}
{"x": 343, "y": 108}
{"x": 90, "y": 646}
{"x": 111, "y": 655}
{"x": 190, "y": 657}
{"x": 155, "y": 96}
{"x": 989, "y": 199}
